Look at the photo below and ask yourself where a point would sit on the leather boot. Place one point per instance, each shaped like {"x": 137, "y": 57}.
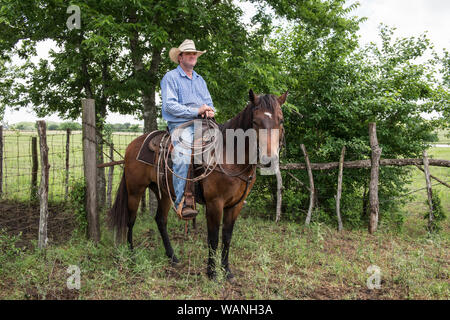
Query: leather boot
{"x": 184, "y": 212}
{"x": 189, "y": 211}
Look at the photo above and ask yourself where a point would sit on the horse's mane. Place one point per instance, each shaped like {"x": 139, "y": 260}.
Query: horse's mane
{"x": 244, "y": 119}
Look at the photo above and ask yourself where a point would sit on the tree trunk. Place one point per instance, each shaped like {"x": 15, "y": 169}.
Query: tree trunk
{"x": 150, "y": 111}
{"x": 110, "y": 177}
{"x": 86, "y": 78}
{"x": 100, "y": 112}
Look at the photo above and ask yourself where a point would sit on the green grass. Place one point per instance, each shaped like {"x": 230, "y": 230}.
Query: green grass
{"x": 417, "y": 207}
{"x": 270, "y": 261}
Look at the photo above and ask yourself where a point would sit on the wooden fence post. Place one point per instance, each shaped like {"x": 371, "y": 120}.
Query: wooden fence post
{"x": 90, "y": 167}
{"x": 43, "y": 187}
{"x": 339, "y": 189}
{"x": 429, "y": 191}
{"x": 68, "y": 132}
{"x": 110, "y": 177}
{"x": 279, "y": 190}
{"x": 374, "y": 174}
{"x": 311, "y": 185}
{"x": 35, "y": 167}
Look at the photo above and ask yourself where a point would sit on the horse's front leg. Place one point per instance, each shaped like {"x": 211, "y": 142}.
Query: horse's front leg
{"x": 161, "y": 220}
{"x": 229, "y": 217}
{"x": 213, "y": 216}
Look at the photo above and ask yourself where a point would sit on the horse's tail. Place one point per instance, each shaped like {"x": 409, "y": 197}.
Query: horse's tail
{"x": 118, "y": 216}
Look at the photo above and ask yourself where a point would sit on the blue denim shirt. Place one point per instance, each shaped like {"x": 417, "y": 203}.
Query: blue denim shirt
{"x": 183, "y": 96}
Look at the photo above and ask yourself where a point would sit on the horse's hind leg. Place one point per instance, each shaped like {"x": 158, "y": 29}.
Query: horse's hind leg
{"x": 133, "y": 205}
{"x": 161, "y": 220}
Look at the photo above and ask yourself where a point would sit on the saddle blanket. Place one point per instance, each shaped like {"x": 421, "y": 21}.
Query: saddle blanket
{"x": 145, "y": 154}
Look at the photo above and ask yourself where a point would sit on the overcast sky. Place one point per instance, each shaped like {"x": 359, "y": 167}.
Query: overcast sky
{"x": 410, "y": 17}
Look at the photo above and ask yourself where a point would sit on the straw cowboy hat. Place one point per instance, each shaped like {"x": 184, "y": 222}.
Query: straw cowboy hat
{"x": 186, "y": 46}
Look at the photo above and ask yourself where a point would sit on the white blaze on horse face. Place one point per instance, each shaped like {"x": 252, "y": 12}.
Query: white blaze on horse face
{"x": 268, "y": 114}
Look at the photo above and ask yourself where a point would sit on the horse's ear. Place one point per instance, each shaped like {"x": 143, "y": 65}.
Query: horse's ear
{"x": 282, "y": 98}
{"x": 253, "y": 97}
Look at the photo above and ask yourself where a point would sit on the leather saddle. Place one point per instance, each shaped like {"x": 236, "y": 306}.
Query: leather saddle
{"x": 150, "y": 147}
{"x": 155, "y": 140}
{"x": 161, "y": 139}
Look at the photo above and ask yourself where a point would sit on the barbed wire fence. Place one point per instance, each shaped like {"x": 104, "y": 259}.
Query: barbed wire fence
{"x": 67, "y": 164}
{"x": 19, "y": 174}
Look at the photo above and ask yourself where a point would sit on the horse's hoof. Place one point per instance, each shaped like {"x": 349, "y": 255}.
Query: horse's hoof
{"x": 230, "y": 277}
{"x": 174, "y": 262}
{"x": 211, "y": 275}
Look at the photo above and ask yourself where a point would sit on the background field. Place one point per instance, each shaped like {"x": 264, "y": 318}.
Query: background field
{"x": 18, "y": 162}
{"x": 444, "y": 136}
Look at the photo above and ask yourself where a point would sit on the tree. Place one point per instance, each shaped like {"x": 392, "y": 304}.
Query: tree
{"x": 70, "y": 125}
{"x": 338, "y": 89}
{"x": 5, "y": 82}
{"x": 121, "y": 52}
{"x": 53, "y": 126}
{"x": 444, "y": 89}
{"x": 118, "y": 56}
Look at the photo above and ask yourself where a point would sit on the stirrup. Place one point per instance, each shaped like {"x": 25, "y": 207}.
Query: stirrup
{"x": 188, "y": 215}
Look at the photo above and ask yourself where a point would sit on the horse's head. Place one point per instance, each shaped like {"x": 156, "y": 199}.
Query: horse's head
{"x": 268, "y": 123}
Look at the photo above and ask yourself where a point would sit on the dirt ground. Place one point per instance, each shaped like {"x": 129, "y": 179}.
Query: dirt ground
{"x": 20, "y": 217}
{"x": 326, "y": 264}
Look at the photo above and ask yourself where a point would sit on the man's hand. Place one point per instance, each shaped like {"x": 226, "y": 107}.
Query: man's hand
{"x": 205, "y": 109}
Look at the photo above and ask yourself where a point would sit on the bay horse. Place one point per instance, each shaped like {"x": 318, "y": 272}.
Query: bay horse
{"x": 223, "y": 193}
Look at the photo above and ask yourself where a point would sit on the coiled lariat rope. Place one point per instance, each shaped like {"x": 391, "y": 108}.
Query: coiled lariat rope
{"x": 205, "y": 148}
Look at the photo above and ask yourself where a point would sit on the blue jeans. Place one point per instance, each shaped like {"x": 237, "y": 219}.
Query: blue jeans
{"x": 181, "y": 158}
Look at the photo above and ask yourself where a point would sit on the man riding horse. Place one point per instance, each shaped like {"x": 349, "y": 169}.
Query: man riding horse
{"x": 224, "y": 190}
{"x": 185, "y": 97}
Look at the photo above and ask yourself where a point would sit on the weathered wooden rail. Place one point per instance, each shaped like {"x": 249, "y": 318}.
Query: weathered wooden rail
{"x": 373, "y": 163}
{"x": 365, "y": 164}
